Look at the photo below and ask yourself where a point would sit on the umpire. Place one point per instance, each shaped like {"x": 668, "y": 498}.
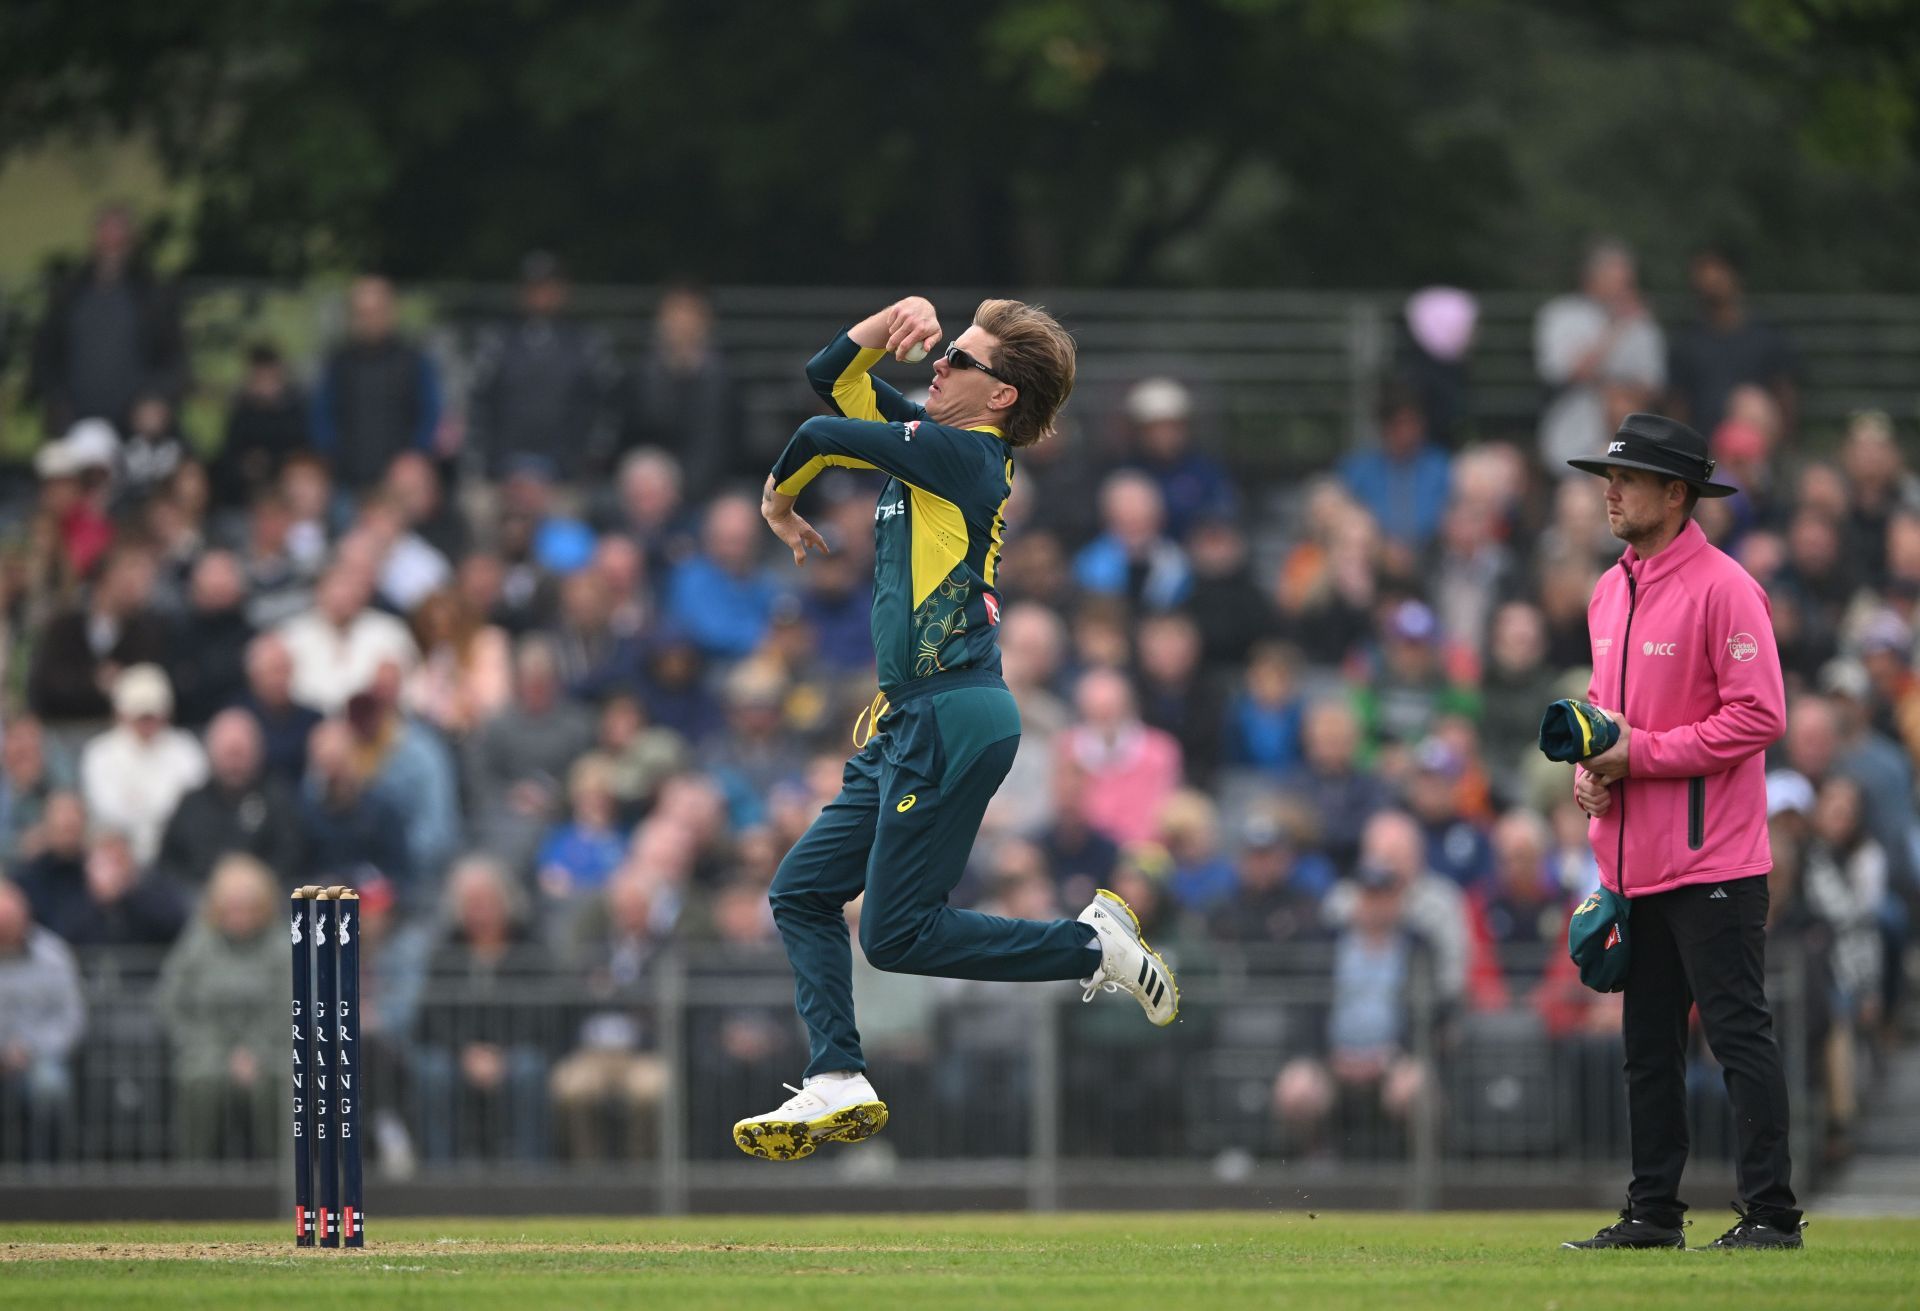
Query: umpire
{"x": 1684, "y": 659}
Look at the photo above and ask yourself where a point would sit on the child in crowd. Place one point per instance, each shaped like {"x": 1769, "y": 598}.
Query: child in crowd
{"x": 578, "y": 856}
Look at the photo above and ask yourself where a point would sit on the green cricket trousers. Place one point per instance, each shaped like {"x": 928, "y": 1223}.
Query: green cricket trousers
{"x": 901, "y": 829}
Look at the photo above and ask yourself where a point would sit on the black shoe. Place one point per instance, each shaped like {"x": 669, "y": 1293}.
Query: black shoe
{"x": 1628, "y": 1232}
{"x": 1753, "y": 1233}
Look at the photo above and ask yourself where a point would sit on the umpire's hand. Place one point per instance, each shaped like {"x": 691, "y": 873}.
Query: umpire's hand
{"x": 1610, "y": 766}
{"x": 1593, "y": 796}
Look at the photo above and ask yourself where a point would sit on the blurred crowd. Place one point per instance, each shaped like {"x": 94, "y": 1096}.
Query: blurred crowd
{"x": 519, "y": 661}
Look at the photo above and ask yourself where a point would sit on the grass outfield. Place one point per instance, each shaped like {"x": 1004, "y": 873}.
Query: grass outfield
{"x": 1211, "y": 1260}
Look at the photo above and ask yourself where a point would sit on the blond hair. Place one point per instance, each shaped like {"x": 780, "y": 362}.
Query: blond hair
{"x": 592, "y": 772}
{"x": 236, "y": 873}
{"x": 1036, "y": 356}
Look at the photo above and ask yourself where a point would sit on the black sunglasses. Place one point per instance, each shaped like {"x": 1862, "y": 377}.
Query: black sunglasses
{"x": 959, "y": 359}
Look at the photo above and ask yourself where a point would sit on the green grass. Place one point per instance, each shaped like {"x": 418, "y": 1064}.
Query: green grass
{"x": 1214, "y": 1261}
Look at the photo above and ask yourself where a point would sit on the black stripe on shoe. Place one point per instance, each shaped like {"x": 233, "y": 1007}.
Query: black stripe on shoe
{"x": 1146, "y": 971}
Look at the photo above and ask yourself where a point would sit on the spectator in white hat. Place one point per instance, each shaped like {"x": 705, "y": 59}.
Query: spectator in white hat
{"x": 134, "y": 774}
{"x": 75, "y": 473}
{"x": 1192, "y": 483}
{"x": 55, "y": 461}
{"x": 92, "y": 446}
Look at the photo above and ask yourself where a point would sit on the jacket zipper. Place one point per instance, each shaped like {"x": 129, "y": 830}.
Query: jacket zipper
{"x": 1626, "y": 651}
{"x": 1696, "y": 813}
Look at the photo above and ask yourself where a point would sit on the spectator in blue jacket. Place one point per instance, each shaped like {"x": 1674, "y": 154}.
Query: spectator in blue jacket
{"x": 1192, "y": 484}
{"x": 578, "y": 857}
{"x": 1456, "y": 846}
{"x": 1133, "y": 558}
{"x": 1404, "y": 480}
{"x": 1265, "y": 717}
{"x": 723, "y": 596}
{"x": 1203, "y": 878}
{"x": 378, "y": 393}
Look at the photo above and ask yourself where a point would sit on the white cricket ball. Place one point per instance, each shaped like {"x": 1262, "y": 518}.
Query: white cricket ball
{"x": 916, "y": 353}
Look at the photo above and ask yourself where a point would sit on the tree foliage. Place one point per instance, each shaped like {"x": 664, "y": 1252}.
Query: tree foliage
{"x": 1105, "y": 142}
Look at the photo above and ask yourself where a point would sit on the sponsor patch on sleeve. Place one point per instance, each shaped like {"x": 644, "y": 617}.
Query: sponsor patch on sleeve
{"x": 1743, "y": 646}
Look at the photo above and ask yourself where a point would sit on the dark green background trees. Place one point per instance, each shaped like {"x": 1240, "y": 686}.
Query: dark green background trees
{"x": 1105, "y": 142}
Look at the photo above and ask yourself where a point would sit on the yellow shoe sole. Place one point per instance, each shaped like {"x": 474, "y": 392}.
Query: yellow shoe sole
{"x": 1147, "y": 947}
{"x": 793, "y": 1140}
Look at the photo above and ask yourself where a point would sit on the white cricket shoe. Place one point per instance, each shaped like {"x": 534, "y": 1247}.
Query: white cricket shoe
{"x": 829, "y": 1109}
{"x": 1127, "y": 963}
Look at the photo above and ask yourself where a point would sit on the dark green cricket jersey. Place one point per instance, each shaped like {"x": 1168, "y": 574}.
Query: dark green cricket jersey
{"x": 937, "y": 526}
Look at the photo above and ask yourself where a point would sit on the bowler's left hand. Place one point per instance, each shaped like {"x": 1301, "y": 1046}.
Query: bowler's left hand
{"x": 798, "y": 535}
{"x": 1610, "y": 766}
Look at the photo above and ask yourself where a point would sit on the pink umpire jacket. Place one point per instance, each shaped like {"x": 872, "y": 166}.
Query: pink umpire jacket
{"x": 1683, "y": 645}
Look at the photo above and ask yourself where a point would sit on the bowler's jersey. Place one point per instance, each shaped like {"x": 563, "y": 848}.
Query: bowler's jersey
{"x": 937, "y": 527}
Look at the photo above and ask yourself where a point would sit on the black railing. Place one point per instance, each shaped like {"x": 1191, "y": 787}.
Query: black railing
{"x": 1013, "y": 1086}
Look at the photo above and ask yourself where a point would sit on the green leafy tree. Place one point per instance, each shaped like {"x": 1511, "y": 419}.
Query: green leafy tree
{"x": 1104, "y": 142}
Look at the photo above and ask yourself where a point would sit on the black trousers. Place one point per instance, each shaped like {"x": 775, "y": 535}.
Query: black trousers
{"x": 1704, "y": 943}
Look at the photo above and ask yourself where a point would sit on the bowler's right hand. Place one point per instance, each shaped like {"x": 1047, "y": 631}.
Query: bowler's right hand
{"x": 912, "y": 322}
{"x": 1592, "y": 796}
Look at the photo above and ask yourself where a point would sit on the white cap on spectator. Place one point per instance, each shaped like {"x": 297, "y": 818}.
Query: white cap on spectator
{"x": 1885, "y": 631}
{"x": 1158, "y": 400}
{"x": 143, "y": 690}
{"x": 92, "y": 443}
{"x": 55, "y": 460}
{"x": 1788, "y": 792}
{"x": 1844, "y": 677}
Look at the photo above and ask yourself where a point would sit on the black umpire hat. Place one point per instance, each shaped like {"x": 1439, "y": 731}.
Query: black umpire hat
{"x": 1663, "y": 446}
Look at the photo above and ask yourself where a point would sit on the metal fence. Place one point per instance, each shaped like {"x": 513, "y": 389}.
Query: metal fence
{"x": 1001, "y": 1094}
{"x": 1285, "y": 380}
